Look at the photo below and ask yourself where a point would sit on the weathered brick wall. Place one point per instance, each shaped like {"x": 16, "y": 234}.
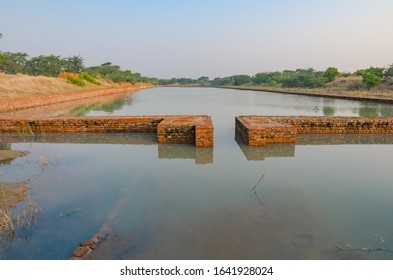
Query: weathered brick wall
{"x": 187, "y": 129}
{"x": 169, "y": 129}
{"x": 338, "y": 125}
{"x": 85, "y": 124}
{"x": 261, "y": 130}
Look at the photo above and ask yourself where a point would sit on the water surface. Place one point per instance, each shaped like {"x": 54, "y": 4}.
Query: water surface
{"x": 326, "y": 197}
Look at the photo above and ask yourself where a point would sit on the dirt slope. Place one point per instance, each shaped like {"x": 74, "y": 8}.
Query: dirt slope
{"x": 22, "y": 85}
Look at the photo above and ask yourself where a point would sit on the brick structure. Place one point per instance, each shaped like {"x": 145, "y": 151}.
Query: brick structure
{"x": 170, "y": 129}
{"x": 186, "y": 129}
{"x": 262, "y": 130}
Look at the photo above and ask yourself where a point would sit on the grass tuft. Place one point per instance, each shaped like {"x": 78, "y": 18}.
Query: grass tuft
{"x": 23, "y": 222}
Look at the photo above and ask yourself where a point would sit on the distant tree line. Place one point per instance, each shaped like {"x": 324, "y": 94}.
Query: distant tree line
{"x": 115, "y": 74}
{"x": 300, "y": 78}
{"x": 53, "y": 65}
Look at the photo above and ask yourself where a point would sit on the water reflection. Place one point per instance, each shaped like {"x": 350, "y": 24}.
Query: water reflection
{"x": 262, "y": 152}
{"x": 367, "y": 109}
{"x": 165, "y": 151}
{"x": 107, "y": 104}
{"x": 181, "y": 151}
{"x": 107, "y": 107}
{"x": 257, "y": 153}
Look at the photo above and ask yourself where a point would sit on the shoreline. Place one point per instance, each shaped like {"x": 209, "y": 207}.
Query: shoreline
{"x": 9, "y": 104}
{"x": 346, "y": 96}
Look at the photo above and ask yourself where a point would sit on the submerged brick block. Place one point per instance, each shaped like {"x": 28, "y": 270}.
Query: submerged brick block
{"x": 262, "y": 130}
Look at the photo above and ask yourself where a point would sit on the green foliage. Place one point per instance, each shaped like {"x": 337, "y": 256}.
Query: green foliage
{"x": 236, "y": 80}
{"x": 13, "y": 63}
{"x": 372, "y": 76}
{"x": 370, "y": 79}
{"x": 273, "y": 83}
{"x": 52, "y": 65}
{"x": 73, "y": 64}
{"x": 331, "y": 73}
{"x": 115, "y": 74}
{"x": 45, "y": 65}
{"x": 308, "y": 78}
{"x": 76, "y": 81}
{"x": 181, "y": 81}
{"x": 86, "y": 76}
{"x": 239, "y": 80}
{"x": 266, "y": 77}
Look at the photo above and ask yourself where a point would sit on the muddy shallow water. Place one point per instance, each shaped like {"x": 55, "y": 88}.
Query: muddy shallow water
{"x": 326, "y": 197}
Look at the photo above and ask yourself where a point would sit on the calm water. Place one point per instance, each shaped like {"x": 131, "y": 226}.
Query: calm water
{"x": 327, "y": 197}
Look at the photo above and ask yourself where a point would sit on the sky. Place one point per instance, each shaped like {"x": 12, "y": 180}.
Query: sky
{"x": 214, "y": 38}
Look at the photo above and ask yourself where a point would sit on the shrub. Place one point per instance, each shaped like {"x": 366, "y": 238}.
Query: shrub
{"x": 331, "y": 73}
{"x": 66, "y": 74}
{"x": 370, "y": 79}
{"x": 86, "y": 76}
{"x": 75, "y": 81}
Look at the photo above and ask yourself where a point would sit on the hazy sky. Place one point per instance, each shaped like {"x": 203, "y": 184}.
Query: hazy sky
{"x": 216, "y": 38}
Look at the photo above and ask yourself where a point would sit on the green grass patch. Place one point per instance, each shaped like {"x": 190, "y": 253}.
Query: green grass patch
{"x": 86, "y": 76}
{"x": 76, "y": 81}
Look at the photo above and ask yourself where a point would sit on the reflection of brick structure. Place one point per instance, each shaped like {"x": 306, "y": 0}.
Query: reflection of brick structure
{"x": 170, "y": 129}
{"x": 261, "y": 130}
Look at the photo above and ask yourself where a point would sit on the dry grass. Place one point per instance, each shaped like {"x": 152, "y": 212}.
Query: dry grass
{"x": 23, "y": 222}
{"x": 19, "y": 85}
{"x": 6, "y": 224}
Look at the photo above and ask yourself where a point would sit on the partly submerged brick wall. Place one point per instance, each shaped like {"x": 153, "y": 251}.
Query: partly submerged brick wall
{"x": 170, "y": 129}
{"x": 262, "y": 130}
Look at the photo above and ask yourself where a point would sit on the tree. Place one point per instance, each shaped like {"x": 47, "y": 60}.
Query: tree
{"x": 372, "y": 76}
{"x": 13, "y": 63}
{"x": 45, "y": 65}
{"x": 73, "y": 64}
{"x": 370, "y": 79}
{"x": 238, "y": 80}
{"x": 331, "y": 73}
{"x": 203, "y": 80}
